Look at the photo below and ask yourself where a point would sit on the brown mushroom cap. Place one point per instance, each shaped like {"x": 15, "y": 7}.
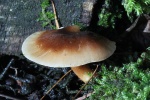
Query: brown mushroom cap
{"x": 67, "y": 47}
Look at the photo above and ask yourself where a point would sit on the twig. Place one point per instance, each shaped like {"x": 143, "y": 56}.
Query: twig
{"x": 86, "y": 83}
{"x": 24, "y": 80}
{"x": 6, "y": 68}
{"x": 84, "y": 96}
{"x": 55, "y": 84}
{"x": 9, "y": 97}
{"x": 55, "y": 15}
{"x": 16, "y": 72}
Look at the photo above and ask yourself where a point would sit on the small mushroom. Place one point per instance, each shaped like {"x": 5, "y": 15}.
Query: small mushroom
{"x": 68, "y": 47}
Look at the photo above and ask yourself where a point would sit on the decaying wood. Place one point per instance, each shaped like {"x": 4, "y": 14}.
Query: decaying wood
{"x": 139, "y": 23}
{"x": 147, "y": 28}
{"x": 87, "y": 9}
{"x": 139, "y": 32}
{"x": 18, "y": 19}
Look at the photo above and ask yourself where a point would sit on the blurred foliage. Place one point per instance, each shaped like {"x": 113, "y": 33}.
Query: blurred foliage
{"x": 111, "y": 11}
{"x": 136, "y": 7}
{"x": 128, "y": 82}
{"x": 108, "y": 14}
{"x": 46, "y": 16}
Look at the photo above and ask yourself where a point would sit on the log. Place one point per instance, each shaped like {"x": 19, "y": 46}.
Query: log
{"x": 18, "y": 19}
{"x": 139, "y": 33}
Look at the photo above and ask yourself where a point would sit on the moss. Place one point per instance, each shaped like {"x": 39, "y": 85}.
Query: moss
{"x": 129, "y": 82}
{"x": 111, "y": 11}
{"x": 136, "y": 7}
{"x": 108, "y": 14}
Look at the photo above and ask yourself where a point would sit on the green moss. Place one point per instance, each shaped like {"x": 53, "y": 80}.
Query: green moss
{"x": 136, "y": 7}
{"x": 128, "y": 82}
{"x": 108, "y": 14}
{"x": 46, "y": 17}
{"x": 111, "y": 10}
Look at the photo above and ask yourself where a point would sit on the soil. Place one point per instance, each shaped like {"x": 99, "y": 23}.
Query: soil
{"x": 25, "y": 80}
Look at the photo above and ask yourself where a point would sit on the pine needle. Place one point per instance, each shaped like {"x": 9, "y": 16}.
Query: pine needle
{"x": 85, "y": 83}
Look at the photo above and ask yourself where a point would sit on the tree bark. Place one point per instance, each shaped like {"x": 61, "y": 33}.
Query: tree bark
{"x": 18, "y": 19}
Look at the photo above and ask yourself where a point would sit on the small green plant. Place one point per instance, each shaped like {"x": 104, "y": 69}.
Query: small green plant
{"x": 46, "y": 17}
{"x": 129, "y": 82}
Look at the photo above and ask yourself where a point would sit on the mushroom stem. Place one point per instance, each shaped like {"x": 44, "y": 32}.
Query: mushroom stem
{"x": 82, "y": 72}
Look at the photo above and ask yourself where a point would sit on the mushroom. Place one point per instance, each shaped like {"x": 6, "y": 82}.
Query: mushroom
{"x": 68, "y": 47}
